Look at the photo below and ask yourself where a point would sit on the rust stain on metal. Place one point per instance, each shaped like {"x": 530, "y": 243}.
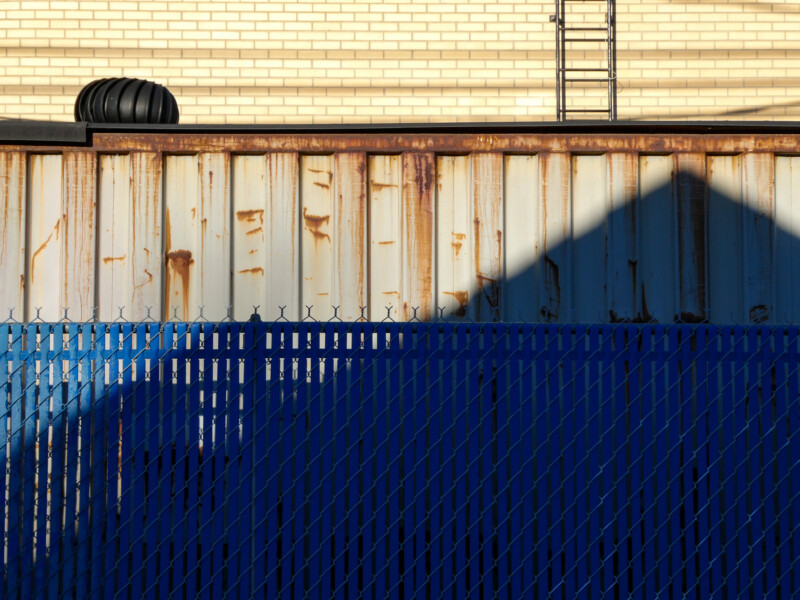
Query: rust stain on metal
{"x": 322, "y": 185}
{"x": 322, "y": 294}
{"x": 22, "y": 283}
{"x": 255, "y": 231}
{"x": 250, "y": 216}
{"x": 38, "y": 251}
{"x": 377, "y": 185}
{"x": 418, "y": 200}
{"x": 459, "y": 241}
{"x": 462, "y": 297}
{"x": 254, "y": 271}
{"x": 179, "y": 263}
{"x": 314, "y": 223}
{"x": 386, "y": 243}
{"x": 253, "y": 251}
{"x": 459, "y": 143}
{"x": 144, "y": 283}
{"x": 110, "y": 259}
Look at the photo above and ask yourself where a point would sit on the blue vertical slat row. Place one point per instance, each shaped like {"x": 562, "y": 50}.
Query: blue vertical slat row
{"x": 306, "y": 460}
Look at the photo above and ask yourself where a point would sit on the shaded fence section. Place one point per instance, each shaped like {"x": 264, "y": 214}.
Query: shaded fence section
{"x": 435, "y": 460}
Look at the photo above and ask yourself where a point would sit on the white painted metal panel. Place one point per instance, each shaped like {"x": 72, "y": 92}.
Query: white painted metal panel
{"x": 419, "y": 234}
{"x": 758, "y": 177}
{"x": 45, "y": 278}
{"x": 114, "y": 244}
{"x": 214, "y": 272}
{"x": 523, "y": 238}
{"x": 385, "y": 232}
{"x": 787, "y": 243}
{"x": 455, "y": 237}
{"x": 80, "y": 202}
{"x": 724, "y": 238}
{"x": 487, "y": 196}
{"x": 658, "y": 238}
{"x": 283, "y": 236}
{"x": 622, "y": 290}
{"x": 182, "y": 244}
{"x": 350, "y": 211}
{"x": 590, "y": 209}
{"x": 548, "y": 236}
{"x": 316, "y": 201}
{"x": 147, "y": 214}
{"x": 13, "y": 219}
{"x": 692, "y": 213}
{"x": 249, "y": 251}
{"x": 556, "y": 298}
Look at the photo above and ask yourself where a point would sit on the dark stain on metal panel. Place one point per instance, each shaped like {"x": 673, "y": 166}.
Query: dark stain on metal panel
{"x": 553, "y": 289}
{"x": 462, "y": 297}
{"x": 645, "y": 317}
{"x": 759, "y": 313}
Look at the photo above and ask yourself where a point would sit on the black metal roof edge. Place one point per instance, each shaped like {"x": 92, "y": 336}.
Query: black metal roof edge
{"x": 23, "y": 131}
{"x": 607, "y": 127}
{"x": 64, "y": 133}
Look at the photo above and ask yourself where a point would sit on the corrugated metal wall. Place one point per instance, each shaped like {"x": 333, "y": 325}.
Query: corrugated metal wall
{"x": 535, "y": 228}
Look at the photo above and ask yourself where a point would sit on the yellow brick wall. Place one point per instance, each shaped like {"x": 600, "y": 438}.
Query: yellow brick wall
{"x": 329, "y": 61}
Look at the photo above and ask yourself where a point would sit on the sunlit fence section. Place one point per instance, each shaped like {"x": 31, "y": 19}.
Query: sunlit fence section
{"x": 399, "y": 460}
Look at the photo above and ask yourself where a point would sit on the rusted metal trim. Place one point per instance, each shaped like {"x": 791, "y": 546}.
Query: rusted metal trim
{"x": 451, "y": 143}
{"x": 189, "y": 143}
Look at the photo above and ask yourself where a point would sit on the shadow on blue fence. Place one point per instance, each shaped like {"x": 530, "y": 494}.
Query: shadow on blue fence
{"x": 424, "y": 460}
{"x": 401, "y": 460}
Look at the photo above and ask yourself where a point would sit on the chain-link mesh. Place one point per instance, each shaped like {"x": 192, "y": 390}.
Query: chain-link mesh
{"x": 389, "y": 460}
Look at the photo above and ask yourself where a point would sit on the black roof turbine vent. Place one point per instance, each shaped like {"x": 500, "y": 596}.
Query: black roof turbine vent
{"x": 126, "y": 100}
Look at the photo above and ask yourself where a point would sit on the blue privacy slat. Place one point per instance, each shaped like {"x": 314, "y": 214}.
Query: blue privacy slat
{"x": 43, "y": 443}
{"x": 389, "y": 460}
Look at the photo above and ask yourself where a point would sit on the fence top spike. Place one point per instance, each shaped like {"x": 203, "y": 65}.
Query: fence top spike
{"x": 388, "y": 316}
{"x": 120, "y": 317}
{"x": 335, "y": 316}
{"x": 362, "y": 317}
{"x": 282, "y": 317}
{"x": 308, "y": 317}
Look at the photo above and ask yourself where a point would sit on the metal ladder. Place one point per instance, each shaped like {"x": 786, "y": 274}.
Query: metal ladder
{"x": 569, "y": 38}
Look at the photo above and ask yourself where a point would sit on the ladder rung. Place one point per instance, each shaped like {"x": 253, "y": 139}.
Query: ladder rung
{"x": 586, "y": 80}
{"x": 585, "y": 110}
{"x": 603, "y": 40}
{"x": 584, "y": 29}
{"x": 604, "y": 69}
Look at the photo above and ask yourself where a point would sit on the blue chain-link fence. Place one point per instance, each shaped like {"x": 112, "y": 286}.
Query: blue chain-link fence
{"x": 435, "y": 460}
